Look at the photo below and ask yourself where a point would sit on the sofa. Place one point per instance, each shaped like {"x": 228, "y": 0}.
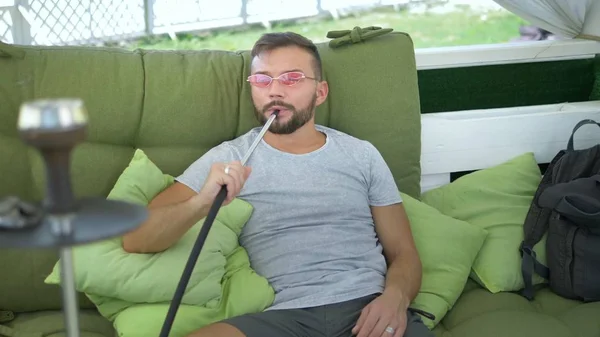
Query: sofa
{"x": 167, "y": 108}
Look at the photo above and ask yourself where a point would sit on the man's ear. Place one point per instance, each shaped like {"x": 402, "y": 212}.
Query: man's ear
{"x": 322, "y": 92}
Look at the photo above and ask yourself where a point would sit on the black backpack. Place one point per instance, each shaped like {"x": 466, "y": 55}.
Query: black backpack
{"x": 566, "y": 206}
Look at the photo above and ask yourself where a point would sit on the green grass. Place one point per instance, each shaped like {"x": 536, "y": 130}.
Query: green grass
{"x": 459, "y": 28}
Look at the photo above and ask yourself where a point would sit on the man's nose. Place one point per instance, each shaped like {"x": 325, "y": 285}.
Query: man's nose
{"x": 276, "y": 89}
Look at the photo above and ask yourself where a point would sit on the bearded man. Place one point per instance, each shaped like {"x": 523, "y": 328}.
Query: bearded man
{"x": 328, "y": 230}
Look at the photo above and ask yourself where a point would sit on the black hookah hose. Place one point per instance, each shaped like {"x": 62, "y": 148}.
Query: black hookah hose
{"x": 208, "y": 222}
{"x": 189, "y": 267}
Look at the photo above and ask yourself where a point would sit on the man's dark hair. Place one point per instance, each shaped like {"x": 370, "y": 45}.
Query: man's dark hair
{"x": 271, "y": 41}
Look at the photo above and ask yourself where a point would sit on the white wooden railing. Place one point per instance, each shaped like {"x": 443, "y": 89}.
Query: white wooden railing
{"x": 471, "y": 140}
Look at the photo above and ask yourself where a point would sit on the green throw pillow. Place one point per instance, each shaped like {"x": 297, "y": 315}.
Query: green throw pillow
{"x": 140, "y": 286}
{"x": 496, "y": 199}
{"x": 447, "y": 248}
{"x": 243, "y": 291}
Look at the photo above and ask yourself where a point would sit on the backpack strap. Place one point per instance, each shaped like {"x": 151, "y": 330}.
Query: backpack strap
{"x": 577, "y": 126}
{"x": 529, "y": 265}
{"x": 534, "y": 228}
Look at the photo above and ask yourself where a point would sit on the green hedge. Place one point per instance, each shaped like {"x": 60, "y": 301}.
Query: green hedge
{"x": 509, "y": 85}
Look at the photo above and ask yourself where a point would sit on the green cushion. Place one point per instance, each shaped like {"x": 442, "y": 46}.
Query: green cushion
{"x": 52, "y": 324}
{"x": 243, "y": 292}
{"x": 22, "y": 286}
{"x": 479, "y": 313}
{"x": 447, "y": 248}
{"x": 139, "y": 286}
{"x": 496, "y": 199}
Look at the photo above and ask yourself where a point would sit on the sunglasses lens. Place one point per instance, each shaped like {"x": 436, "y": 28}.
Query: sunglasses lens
{"x": 262, "y": 80}
{"x": 291, "y": 78}
{"x": 259, "y": 80}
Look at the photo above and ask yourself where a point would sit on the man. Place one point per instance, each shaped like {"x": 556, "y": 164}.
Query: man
{"x": 328, "y": 229}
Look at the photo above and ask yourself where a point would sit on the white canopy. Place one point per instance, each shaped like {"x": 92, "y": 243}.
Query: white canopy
{"x": 565, "y": 18}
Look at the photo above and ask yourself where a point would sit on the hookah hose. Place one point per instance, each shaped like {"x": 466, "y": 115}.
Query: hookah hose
{"x": 195, "y": 253}
{"x": 189, "y": 267}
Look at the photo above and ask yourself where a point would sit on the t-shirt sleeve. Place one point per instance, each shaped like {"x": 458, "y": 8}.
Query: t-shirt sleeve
{"x": 195, "y": 175}
{"x": 383, "y": 190}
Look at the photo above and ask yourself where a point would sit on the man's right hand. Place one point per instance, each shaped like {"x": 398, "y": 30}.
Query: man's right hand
{"x": 178, "y": 208}
{"x": 217, "y": 177}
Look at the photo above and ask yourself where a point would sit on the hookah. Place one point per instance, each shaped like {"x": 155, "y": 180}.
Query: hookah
{"x": 54, "y": 128}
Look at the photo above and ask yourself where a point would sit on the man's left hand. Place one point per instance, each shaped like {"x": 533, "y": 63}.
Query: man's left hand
{"x": 384, "y": 312}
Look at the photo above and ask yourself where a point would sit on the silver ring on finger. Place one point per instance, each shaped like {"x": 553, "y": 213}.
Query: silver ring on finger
{"x": 227, "y": 168}
{"x": 390, "y": 330}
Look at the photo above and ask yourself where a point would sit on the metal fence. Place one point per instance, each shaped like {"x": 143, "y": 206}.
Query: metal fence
{"x": 59, "y": 22}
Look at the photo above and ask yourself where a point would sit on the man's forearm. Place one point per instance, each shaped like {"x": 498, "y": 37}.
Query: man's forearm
{"x": 165, "y": 226}
{"x": 403, "y": 279}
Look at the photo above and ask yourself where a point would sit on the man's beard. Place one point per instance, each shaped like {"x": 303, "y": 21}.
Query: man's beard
{"x": 297, "y": 119}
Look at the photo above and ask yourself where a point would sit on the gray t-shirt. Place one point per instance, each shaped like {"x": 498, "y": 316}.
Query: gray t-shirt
{"x": 311, "y": 233}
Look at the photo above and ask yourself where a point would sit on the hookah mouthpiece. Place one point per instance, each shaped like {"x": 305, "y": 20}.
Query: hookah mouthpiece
{"x": 55, "y": 127}
{"x": 260, "y": 136}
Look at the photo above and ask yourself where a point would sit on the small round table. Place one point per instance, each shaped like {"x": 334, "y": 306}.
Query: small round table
{"x": 92, "y": 219}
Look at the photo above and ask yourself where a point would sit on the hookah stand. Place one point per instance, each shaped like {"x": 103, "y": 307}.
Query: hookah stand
{"x": 54, "y": 128}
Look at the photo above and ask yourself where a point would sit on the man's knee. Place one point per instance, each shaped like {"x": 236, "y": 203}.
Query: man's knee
{"x": 217, "y": 330}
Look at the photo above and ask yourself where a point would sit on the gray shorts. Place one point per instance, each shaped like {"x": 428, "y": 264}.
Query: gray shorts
{"x": 334, "y": 320}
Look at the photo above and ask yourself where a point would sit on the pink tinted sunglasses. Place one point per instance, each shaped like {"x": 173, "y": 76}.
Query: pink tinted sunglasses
{"x": 289, "y": 79}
